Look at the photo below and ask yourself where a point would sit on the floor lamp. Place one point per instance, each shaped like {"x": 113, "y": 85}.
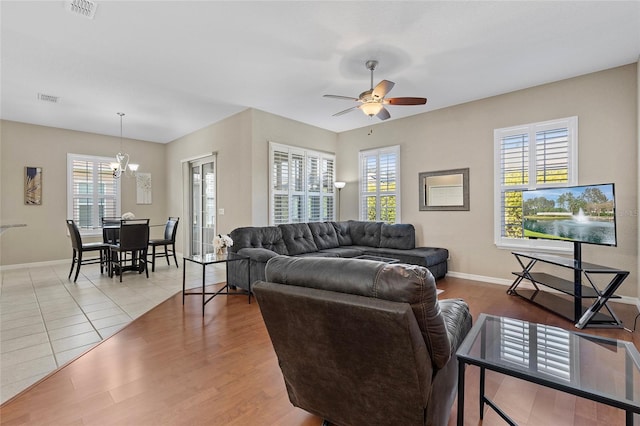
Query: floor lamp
{"x": 339, "y": 186}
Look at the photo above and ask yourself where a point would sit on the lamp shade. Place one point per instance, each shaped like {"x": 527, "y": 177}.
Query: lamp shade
{"x": 339, "y": 185}
{"x": 371, "y": 108}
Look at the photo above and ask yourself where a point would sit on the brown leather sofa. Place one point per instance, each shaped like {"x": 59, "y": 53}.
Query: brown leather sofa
{"x": 363, "y": 342}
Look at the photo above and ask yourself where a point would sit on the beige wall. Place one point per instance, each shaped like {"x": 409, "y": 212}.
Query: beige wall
{"x": 241, "y": 143}
{"x": 272, "y": 128}
{"x": 462, "y": 136}
{"x": 230, "y": 140}
{"x": 455, "y": 137}
{"x": 45, "y": 237}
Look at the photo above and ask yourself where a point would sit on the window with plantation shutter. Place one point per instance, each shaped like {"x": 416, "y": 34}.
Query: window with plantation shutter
{"x": 380, "y": 184}
{"x": 301, "y": 185}
{"x": 553, "y": 349}
{"x": 531, "y": 156}
{"x": 92, "y": 192}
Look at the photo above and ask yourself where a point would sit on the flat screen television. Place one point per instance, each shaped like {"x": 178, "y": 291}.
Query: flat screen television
{"x": 579, "y": 214}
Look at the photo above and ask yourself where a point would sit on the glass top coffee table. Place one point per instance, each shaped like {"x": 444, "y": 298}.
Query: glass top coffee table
{"x": 596, "y": 368}
{"x": 210, "y": 259}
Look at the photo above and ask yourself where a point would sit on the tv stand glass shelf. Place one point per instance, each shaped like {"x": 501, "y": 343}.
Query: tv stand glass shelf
{"x": 577, "y": 301}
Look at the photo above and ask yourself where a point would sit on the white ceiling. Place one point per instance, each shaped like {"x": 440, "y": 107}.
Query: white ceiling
{"x": 175, "y": 66}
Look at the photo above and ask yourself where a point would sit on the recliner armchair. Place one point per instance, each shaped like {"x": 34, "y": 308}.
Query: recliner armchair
{"x": 363, "y": 342}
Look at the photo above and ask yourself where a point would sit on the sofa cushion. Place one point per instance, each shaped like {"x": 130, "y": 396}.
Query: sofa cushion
{"x": 398, "y": 236}
{"x": 298, "y": 238}
{"x": 345, "y": 251}
{"x": 342, "y": 232}
{"x": 324, "y": 235}
{"x": 365, "y": 233}
{"x": 268, "y": 237}
{"x": 394, "y": 282}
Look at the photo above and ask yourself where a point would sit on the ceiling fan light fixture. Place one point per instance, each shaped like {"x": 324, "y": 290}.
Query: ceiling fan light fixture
{"x": 371, "y": 108}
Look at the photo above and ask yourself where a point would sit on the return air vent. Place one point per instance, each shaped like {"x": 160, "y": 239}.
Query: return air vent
{"x": 48, "y": 98}
{"x": 84, "y": 8}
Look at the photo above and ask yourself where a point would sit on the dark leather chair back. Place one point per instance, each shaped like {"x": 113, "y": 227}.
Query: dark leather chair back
{"x": 134, "y": 236}
{"x": 362, "y": 342}
{"x": 74, "y": 233}
{"x": 171, "y": 229}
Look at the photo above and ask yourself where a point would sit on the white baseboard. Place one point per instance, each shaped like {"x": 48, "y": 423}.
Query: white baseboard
{"x": 525, "y": 284}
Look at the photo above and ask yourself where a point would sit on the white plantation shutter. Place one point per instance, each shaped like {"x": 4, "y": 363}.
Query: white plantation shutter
{"x": 92, "y": 191}
{"x": 552, "y": 346}
{"x": 328, "y": 193}
{"x": 313, "y": 188}
{"x": 380, "y": 185}
{"x": 301, "y": 185}
{"x": 528, "y": 157}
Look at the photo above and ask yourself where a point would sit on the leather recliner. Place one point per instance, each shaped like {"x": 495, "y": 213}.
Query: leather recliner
{"x": 363, "y": 342}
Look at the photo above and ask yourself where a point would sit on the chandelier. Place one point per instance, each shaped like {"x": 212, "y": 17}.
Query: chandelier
{"x": 121, "y": 165}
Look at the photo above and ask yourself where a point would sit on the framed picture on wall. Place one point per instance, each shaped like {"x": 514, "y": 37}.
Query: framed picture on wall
{"x": 143, "y": 188}
{"x": 33, "y": 185}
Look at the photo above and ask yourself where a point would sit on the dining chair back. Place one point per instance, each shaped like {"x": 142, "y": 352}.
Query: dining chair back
{"x": 134, "y": 239}
{"x": 79, "y": 248}
{"x": 111, "y": 229}
{"x": 168, "y": 242}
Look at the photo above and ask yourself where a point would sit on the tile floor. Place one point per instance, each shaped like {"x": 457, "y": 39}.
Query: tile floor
{"x": 46, "y": 320}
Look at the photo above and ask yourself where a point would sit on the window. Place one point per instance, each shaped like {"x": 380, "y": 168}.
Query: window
{"x": 301, "y": 185}
{"x": 380, "y": 184}
{"x": 92, "y": 192}
{"x": 552, "y": 354}
{"x": 532, "y": 156}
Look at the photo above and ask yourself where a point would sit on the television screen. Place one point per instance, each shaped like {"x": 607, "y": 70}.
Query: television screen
{"x": 584, "y": 214}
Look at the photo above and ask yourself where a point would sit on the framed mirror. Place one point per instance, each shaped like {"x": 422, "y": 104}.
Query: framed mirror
{"x": 444, "y": 190}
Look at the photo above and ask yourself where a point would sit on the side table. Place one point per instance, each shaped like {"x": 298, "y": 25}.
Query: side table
{"x": 210, "y": 259}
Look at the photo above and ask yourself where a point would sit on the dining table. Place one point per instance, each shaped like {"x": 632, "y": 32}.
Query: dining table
{"x": 111, "y": 235}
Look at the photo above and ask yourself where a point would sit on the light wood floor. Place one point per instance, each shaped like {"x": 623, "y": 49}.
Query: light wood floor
{"x": 171, "y": 366}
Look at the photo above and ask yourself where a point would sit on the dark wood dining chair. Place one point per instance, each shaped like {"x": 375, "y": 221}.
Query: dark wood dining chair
{"x": 134, "y": 239}
{"x": 169, "y": 239}
{"x": 79, "y": 248}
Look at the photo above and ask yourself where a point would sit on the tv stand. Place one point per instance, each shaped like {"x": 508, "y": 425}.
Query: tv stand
{"x": 575, "y": 307}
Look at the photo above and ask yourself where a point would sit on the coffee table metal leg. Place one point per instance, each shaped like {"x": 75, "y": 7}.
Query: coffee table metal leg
{"x": 482, "y": 392}
{"x": 461, "y": 368}
{"x": 184, "y": 277}
{"x": 204, "y": 273}
{"x": 249, "y": 277}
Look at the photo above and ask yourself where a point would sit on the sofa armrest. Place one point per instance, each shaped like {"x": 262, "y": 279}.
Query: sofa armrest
{"x": 457, "y": 320}
{"x": 258, "y": 254}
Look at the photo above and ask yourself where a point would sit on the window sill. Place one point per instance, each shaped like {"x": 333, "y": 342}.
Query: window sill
{"x": 540, "y": 246}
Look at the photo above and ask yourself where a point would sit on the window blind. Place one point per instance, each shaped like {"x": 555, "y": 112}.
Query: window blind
{"x": 532, "y": 156}
{"x": 380, "y": 185}
{"x": 93, "y": 192}
{"x": 301, "y": 186}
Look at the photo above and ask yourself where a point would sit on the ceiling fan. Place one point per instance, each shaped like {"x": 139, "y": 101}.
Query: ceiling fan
{"x": 373, "y": 100}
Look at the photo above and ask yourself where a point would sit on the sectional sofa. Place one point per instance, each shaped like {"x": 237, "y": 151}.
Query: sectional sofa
{"x": 348, "y": 239}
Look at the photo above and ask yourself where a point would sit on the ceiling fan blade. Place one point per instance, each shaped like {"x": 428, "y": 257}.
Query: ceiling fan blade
{"x": 405, "y": 101}
{"x": 345, "y": 111}
{"x": 381, "y": 90}
{"x": 383, "y": 114}
{"x": 346, "y": 98}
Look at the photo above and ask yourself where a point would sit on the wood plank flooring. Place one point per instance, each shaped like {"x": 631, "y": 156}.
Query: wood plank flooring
{"x": 172, "y": 366}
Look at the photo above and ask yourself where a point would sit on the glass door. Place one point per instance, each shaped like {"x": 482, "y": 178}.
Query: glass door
{"x": 203, "y": 205}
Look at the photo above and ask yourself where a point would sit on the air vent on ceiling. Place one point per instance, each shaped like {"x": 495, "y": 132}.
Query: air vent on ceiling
{"x": 84, "y": 8}
{"x": 48, "y": 98}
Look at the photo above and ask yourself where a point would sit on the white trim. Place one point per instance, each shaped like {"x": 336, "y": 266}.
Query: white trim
{"x": 395, "y": 149}
{"x": 303, "y": 154}
{"x": 571, "y": 123}
{"x": 196, "y": 157}
{"x": 71, "y": 157}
